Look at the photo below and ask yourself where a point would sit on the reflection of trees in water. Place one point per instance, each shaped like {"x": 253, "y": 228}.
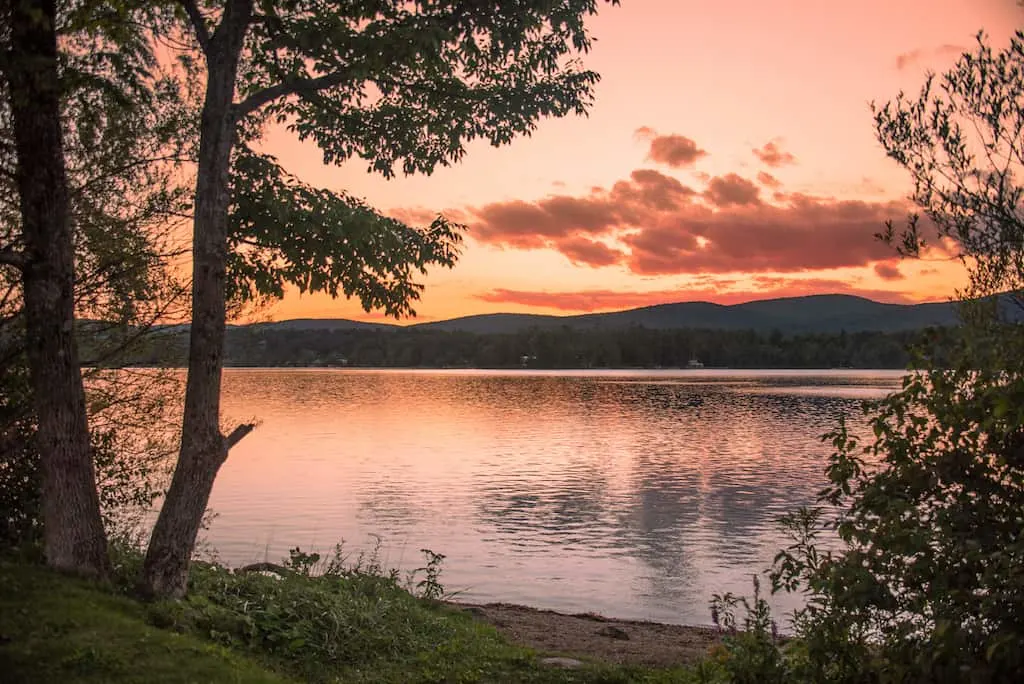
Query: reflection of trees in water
{"x": 664, "y": 504}
{"x": 783, "y": 467}
{"x": 702, "y": 482}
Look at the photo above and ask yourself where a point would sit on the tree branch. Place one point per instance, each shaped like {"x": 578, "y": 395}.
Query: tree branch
{"x": 198, "y": 23}
{"x": 80, "y": 190}
{"x": 12, "y": 257}
{"x": 295, "y": 86}
{"x": 238, "y": 434}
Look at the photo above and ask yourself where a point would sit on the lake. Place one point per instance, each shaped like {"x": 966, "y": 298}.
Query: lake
{"x": 634, "y": 494}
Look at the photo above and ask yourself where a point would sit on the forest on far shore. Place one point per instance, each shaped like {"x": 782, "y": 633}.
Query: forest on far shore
{"x": 634, "y": 347}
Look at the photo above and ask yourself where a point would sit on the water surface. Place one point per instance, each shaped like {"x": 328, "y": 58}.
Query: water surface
{"x": 634, "y": 494}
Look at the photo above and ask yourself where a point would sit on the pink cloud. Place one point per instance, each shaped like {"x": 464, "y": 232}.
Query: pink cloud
{"x": 768, "y": 180}
{"x": 772, "y": 155}
{"x": 655, "y": 226}
{"x": 581, "y": 250}
{"x": 888, "y": 271}
{"x": 732, "y": 190}
{"x": 676, "y": 151}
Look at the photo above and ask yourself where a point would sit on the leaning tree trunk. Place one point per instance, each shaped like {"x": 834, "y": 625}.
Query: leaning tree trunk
{"x": 72, "y": 527}
{"x": 203, "y": 447}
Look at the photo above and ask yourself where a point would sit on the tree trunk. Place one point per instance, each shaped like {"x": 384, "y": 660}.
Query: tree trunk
{"x": 203, "y": 447}
{"x": 72, "y": 527}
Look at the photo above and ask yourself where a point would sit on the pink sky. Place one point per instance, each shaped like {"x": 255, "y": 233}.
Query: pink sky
{"x": 729, "y": 156}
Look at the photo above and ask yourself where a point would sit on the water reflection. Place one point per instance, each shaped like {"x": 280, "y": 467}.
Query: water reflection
{"x": 634, "y": 494}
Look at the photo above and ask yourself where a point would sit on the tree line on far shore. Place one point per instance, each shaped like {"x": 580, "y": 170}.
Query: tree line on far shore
{"x": 564, "y": 347}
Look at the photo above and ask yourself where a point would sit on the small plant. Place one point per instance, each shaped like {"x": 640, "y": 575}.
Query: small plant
{"x": 752, "y": 652}
{"x": 301, "y": 562}
{"x": 430, "y": 586}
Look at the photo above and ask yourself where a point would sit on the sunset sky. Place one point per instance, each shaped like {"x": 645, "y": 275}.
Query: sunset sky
{"x": 729, "y": 156}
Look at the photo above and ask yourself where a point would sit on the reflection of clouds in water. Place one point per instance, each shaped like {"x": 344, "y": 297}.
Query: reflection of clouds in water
{"x": 703, "y": 484}
{"x": 619, "y": 495}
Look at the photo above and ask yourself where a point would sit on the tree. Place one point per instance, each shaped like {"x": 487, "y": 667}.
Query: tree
{"x": 73, "y": 530}
{"x": 122, "y": 139}
{"x": 929, "y": 582}
{"x": 397, "y": 83}
{"x": 964, "y": 149}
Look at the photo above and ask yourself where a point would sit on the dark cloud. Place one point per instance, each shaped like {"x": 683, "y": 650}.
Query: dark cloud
{"x": 771, "y": 154}
{"x": 724, "y": 292}
{"x": 517, "y": 224}
{"x": 888, "y": 271}
{"x": 652, "y": 224}
{"x": 806, "y": 234}
{"x": 732, "y": 190}
{"x": 768, "y": 180}
{"x": 675, "y": 151}
{"x": 650, "y": 189}
{"x": 922, "y": 55}
{"x": 581, "y": 250}
{"x": 554, "y": 220}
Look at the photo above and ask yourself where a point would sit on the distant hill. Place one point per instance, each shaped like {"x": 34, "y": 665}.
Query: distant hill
{"x": 496, "y": 324}
{"x": 811, "y": 314}
{"x": 324, "y": 324}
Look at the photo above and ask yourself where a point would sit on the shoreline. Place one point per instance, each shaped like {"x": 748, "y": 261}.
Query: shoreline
{"x": 697, "y": 372}
{"x": 596, "y": 637}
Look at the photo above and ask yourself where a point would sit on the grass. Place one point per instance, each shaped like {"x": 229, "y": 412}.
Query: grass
{"x": 347, "y": 624}
{"x": 57, "y": 629}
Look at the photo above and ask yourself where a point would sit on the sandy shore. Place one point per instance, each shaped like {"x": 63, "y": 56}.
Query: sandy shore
{"x": 596, "y": 637}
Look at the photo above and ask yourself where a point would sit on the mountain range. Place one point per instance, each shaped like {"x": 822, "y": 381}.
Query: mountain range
{"x": 790, "y": 315}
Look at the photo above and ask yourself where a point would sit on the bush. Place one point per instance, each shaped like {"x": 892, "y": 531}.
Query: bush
{"x": 928, "y": 585}
{"x": 316, "y": 615}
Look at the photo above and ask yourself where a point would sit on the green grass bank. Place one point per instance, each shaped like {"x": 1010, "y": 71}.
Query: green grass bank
{"x": 349, "y": 625}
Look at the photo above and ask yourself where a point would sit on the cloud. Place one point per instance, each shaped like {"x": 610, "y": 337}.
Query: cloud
{"x": 913, "y": 57}
{"x": 553, "y": 220}
{"x": 732, "y": 190}
{"x": 531, "y": 225}
{"x": 653, "y": 224}
{"x": 723, "y": 293}
{"x": 676, "y": 151}
{"x": 888, "y": 271}
{"x": 805, "y": 234}
{"x": 771, "y": 154}
{"x": 581, "y": 250}
{"x": 650, "y": 189}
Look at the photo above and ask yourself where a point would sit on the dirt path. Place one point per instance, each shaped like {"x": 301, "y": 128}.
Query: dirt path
{"x": 595, "y": 637}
